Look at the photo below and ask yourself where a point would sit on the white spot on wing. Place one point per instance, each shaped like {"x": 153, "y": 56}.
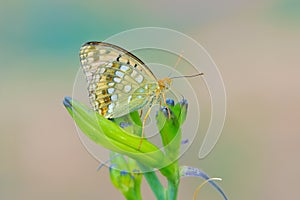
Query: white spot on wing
{"x": 139, "y": 78}
{"x": 110, "y": 90}
{"x": 111, "y": 107}
{"x": 117, "y": 80}
{"x": 133, "y": 74}
{"x": 120, "y": 74}
{"x": 141, "y": 90}
{"x": 127, "y": 88}
{"x": 124, "y": 68}
{"x": 129, "y": 99}
{"x": 114, "y": 97}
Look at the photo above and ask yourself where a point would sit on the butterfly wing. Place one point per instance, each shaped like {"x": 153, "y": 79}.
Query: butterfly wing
{"x": 118, "y": 82}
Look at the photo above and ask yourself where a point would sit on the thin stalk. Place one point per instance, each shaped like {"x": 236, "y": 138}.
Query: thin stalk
{"x": 153, "y": 182}
{"x": 172, "y": 190}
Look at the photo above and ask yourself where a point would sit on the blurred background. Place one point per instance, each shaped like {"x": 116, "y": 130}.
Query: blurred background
{"x": 255, "y": 44}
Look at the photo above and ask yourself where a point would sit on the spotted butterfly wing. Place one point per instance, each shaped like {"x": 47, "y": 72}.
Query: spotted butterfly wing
{"x": 118, "y": 82}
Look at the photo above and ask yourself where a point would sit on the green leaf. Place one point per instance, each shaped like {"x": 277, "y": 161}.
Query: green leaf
{"x": 109, "y": 135}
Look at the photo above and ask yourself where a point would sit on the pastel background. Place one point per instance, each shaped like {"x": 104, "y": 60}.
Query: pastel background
{"x": 255, "y": 44}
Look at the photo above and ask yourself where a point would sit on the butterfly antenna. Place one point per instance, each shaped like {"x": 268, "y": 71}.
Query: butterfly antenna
{"x": 188, "y": 76}
{"x": 177, "y": 61}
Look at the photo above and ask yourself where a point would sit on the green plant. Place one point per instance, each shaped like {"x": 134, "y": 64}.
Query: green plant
{"x": 122, "y": 137}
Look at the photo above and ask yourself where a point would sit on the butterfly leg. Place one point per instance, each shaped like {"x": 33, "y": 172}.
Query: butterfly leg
{"x": 143, "y": 125}
{"x": 141, "y": 113}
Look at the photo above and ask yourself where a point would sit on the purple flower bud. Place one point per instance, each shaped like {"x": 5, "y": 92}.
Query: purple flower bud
{"x": 170, "y": 102}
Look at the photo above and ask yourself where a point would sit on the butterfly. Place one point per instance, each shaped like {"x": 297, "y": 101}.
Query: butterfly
{"x": 119, "y": 82}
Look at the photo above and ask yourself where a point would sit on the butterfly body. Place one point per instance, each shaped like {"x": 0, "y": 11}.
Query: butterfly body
{"x": 118, "y": 81}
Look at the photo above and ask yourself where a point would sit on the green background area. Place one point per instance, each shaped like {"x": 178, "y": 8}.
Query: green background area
{"x": 254, "y": 43}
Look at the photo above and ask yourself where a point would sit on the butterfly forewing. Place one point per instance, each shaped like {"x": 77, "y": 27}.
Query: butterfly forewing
{"x": 118, "y": 82}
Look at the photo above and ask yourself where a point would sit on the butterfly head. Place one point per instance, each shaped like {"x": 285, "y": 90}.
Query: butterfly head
{"x": 164, "y": 84}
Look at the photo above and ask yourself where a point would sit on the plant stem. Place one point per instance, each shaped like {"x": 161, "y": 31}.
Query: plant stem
{"x": 172, "y": 190}
{"x": 153, "y": 182}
